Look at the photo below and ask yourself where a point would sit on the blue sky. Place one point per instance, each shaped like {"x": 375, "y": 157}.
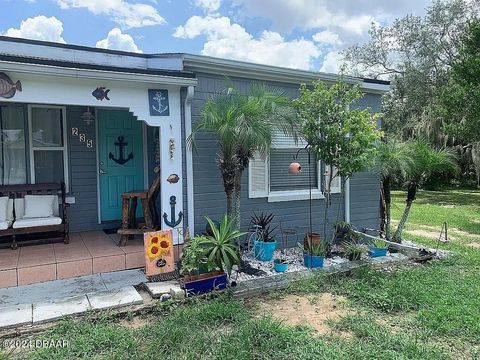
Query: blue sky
{"x": 303, "y": 34}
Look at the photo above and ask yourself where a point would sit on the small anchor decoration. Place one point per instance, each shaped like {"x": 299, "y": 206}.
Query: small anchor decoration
{"x": 173, "y": 222}
{"x": 121, "y": 145}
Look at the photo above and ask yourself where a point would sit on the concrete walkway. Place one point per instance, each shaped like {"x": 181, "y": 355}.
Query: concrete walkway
{"x": 48, "y": 301}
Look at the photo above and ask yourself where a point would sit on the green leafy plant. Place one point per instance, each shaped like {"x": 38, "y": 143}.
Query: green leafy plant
{"x": 353, "y": 247}
{"x": 193, "y": 256}
{"x": 263, "y": 221}
{"x": 220, "y": 248}
{"x": 314, "y": 249}
{"x": 379, "y": 244}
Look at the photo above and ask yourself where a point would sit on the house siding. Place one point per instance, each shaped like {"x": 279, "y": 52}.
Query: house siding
{"x": 209, "y": 194}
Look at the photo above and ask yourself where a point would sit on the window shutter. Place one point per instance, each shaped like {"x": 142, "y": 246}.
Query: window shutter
{"x": 336, "y": 185}
{"x": 281, "y": 141}
{"x": 258, "y": 176}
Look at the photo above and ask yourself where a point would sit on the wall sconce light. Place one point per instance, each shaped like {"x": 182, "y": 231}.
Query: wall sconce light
{"x": 87, "y": 116}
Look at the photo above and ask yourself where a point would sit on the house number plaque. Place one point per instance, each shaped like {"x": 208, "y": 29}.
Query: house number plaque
{"x": 89, "y": 143}
{"x": 74, "y": 131}
{"x": 82, "y": 137}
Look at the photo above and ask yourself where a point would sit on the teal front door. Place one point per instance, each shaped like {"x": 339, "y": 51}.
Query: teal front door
{"x": 120, "y": 156}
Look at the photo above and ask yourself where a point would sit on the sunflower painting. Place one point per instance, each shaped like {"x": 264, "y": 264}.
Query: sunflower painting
{"x": 159, "y": 257}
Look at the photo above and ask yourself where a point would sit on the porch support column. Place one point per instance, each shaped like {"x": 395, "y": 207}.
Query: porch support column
{"x": 189, "y": 158}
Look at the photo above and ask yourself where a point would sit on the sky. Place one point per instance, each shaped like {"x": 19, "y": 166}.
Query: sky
{"x": 299, "y": 34}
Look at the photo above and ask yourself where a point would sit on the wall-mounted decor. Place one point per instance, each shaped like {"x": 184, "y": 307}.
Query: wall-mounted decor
{"x": 100, "y": 93}
{"x": 159, "y": 257}
{"x": 171, "y": 148}
{"x": 173, "y": 222}
{"x": 7, "y": 87}
{"x": 158, "y": 102}
{"x": 87, "y": 116}
{"x": 173, "y": 178}
{"x": 121, "y": 152}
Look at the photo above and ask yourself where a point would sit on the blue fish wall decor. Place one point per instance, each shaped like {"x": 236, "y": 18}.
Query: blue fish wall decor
{"x": 100, "y": 93}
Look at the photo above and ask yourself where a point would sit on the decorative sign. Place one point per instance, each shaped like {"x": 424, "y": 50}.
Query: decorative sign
{"x": 173, "y": 178}
{"x": 121, "y": 149}
{"x": 89, "y": 143}
{"x": 82, "y": 137}
{"x": 172, "y": 222}
{"x": 159, "y": 257}
{"x": 8, "y": 88}
{"x": 100, "y": 93}
{"x": 171, "y": 148}
{"x": 74, "y": 131}
{"x": 158, "y": 102}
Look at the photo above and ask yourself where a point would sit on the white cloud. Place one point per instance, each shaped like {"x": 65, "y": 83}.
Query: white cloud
{"x": 125, "y": 14}
{"x": 115, "y": 40}
{"x": 332, "y": 62}
{"x": 210, "y": 6}
{"x": 229, "y": 40}
{"x": 39, "y": 28}
{"x": 327, "y": 37}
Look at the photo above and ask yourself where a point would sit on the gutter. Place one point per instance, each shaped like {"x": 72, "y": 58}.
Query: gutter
{"x": 234, "y": 68}
{"x": 189, "y": 159}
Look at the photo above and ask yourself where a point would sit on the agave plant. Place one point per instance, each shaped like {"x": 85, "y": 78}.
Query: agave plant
{"x": 220, "y": 248}
{"x": 263, "y": 221}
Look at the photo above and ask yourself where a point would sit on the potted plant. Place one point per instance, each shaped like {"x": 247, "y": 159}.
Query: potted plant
{"x": 353, "y": 249}
{"x": 314, "y": 253}
{"x": 215, "y": 255}
{"x": 342, "y": 230}
{"x": 264, "y": 245}
{"x": 378, "y": 248}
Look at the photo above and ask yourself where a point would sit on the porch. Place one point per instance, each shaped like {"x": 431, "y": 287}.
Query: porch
{"x": 89, "y": 252}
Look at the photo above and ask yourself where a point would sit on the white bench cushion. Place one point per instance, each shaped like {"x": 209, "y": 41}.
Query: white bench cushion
{"x": 39, "y": 206}
{"x": 5, "y": 225}
{"x": 20, "y": 207}
{"x": 3, "y": 208}
{"x": 25, "y": 223}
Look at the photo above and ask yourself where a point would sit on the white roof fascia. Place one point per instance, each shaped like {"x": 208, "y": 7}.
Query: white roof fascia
{"x": 95, "y": 74}
{"x": 200, "y": 63}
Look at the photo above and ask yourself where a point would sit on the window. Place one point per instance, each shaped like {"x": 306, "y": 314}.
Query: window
{"x": 269, "y": 176}
{"x": 13, "y": 166}
{"x": 48, "y": 148}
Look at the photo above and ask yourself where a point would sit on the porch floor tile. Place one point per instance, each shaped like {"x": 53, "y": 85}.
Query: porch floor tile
{"x": 9, "y": 258}
{"x": 87, "y": 253}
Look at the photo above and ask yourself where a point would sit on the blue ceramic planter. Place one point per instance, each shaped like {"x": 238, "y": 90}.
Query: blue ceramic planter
{"x": 279, "y": 266}
{"x": 376, "y": 252}
{"x": 312, "y": 261}
{"x": 204, "y": 283}
{"x": 264, "y": 250}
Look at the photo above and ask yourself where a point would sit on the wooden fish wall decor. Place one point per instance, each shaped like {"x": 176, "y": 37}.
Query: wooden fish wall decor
{"x": 7, "y": 87}
{"x": 173, "y": 178}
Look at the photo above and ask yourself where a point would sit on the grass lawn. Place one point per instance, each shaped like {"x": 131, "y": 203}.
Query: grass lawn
{"x": 416, "y": 312}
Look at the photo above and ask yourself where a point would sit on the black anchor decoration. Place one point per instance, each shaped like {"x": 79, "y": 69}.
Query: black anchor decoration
{"x": 121, "y": 145}
{"x": 173, "y": 222}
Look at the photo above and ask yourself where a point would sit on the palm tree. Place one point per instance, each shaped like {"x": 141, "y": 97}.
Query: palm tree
{"x": 394, "y": 161}
{"x": 427, "y": 161}
{"x": 243, "y": 125}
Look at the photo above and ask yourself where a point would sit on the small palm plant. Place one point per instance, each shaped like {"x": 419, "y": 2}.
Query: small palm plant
{"x": 394, "y": 161}
{"x": 243, "y": 124}
{"x": 427, "y": 161}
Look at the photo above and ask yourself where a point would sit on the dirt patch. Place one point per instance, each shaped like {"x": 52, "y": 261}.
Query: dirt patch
{"x": 474, "y": 245}
{"x": 424, "y": 233}
{"x": 309, "y": 310}
{"x": 135, "y": 322}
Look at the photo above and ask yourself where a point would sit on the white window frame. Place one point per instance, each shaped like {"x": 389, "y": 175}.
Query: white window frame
{"x": 63, "y": 148}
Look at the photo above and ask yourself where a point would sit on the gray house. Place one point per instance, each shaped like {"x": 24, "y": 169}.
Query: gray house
{"x": 105, "y": 122}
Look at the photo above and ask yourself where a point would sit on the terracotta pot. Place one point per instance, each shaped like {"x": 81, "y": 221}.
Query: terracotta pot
{"x": 294, "y": 168}
{"x": 314, "y": 240}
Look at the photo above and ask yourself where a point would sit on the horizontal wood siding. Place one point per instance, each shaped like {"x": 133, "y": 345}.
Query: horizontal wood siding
{"x": 208, "y": 187}
{"x": 83, "y": 215}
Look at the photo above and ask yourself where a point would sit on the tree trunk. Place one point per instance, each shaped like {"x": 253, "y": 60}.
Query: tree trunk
{"x": 235, "y": 215}
{"x": 386, "y": 204}
{"x": 411, "y": 194}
